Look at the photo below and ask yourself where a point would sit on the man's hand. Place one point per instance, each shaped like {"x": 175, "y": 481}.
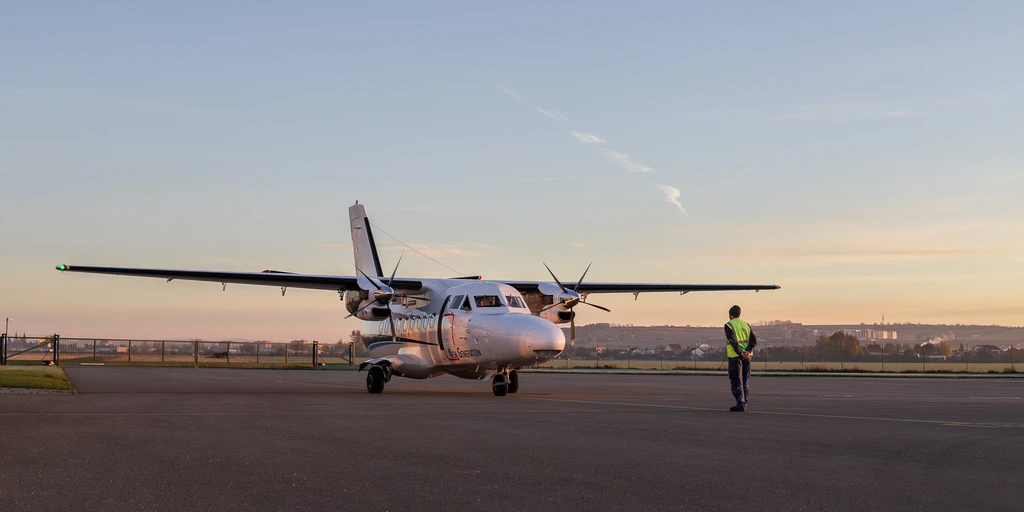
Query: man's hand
{"x": 746, "y": 355}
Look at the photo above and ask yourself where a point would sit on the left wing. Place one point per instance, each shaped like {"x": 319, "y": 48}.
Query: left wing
{"x": 265, "y": 278}
{"x": 529, "y": 286}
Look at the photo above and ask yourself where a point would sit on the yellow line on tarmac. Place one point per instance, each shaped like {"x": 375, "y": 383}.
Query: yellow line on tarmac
{"x": 793, "y": 414}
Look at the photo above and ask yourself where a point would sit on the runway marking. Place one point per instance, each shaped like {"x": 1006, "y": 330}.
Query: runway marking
{"x": 794, "y": 414}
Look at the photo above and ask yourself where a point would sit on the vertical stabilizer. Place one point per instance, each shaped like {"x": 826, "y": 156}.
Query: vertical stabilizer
{"x": 362, "y": 242}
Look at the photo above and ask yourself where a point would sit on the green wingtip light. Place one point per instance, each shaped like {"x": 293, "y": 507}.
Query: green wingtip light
{"x": 62, "y": 267}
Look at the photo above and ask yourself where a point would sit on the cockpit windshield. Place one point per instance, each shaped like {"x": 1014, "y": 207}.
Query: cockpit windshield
{"x": 488, "y": 301}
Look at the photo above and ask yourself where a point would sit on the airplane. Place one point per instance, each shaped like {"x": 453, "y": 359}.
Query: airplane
{"x": 421, "y": 328}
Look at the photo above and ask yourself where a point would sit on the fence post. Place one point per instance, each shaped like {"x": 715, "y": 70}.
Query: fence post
{"x": 3, "y": 349}
{"x": 229, "y": 354}
{"x": 94, "y": 351}
{"x": 258, "y": 352}
{"x": 286, "y": 353}
{"x": 314, "y": 353}
{"x": 195, "y": 355}
{"x": 129, "y": 352}
{"x": 882, "y": 356}
{"x": 56, "y": 349}
{"x": 163, "y": 348}
{"x": 351, "y": 353}
{"x": 1012, "y": 370}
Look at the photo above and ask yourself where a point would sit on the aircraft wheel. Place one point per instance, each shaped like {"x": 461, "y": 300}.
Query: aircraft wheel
{"x": 513, "y": 381}
{"x": 499, "y": 385}
{"x": 375, "y": 380}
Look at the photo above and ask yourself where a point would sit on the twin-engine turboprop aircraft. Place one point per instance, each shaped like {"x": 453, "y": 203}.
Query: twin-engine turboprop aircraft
{"x": 424, "y": 327}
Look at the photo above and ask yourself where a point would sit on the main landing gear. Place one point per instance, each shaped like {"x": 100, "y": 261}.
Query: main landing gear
{"x": 505, "y": 382}
{"x": 375, "y": 379}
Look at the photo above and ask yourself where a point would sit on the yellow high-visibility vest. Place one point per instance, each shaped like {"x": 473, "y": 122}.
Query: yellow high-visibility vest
{"x": 741, "y": 330}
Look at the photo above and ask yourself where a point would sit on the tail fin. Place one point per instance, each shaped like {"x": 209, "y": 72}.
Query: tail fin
{"x": 362, "y": 242}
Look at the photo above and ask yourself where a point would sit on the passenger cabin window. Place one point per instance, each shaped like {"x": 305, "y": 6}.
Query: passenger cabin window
{"x": 488, "y": 301}
{"x": 515, "y": 302}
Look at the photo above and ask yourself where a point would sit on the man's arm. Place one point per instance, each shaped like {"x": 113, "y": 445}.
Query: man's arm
{"x": 752, "y": 342}
{"x": 731, "y": 338}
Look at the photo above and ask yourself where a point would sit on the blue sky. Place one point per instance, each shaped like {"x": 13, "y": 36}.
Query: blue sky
{"x": 866, "y": 156}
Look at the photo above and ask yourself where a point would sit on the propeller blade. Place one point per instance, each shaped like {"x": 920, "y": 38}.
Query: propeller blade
{"x": 368, "y": 278}
{"x": 394, "y": 333}
{"x": 393, "y": 272}
{"x": 572, "y": 331}
{"x": 560, "y": 285}
{"x": 602, "y": 308}
{"x": 574, "y": 288}
{"x": 551, "y": 306}
{"x": 359, "y": 310}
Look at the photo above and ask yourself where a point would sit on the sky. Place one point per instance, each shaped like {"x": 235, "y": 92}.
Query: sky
{"x": 864, "y": 156}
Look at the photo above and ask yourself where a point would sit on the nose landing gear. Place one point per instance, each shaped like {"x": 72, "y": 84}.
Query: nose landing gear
{"x": 505, "y": 382}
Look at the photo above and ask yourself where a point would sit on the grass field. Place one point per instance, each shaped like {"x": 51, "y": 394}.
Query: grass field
{"x": 34, "y": 377}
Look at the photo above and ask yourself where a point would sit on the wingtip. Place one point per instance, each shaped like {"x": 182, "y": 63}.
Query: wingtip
{"x": 62, "y": 267}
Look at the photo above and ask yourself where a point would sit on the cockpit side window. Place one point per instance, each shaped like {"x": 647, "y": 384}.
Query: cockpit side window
{"x": 488, "y": 301}
{"x": 456, "y": 302}
{"x": 515, "y": 302}
{"x": 465, "y": 305}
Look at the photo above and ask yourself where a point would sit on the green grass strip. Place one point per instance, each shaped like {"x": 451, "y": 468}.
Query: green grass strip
{"x": 34, "y": 377}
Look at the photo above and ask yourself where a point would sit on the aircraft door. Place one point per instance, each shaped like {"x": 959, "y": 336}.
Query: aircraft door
{"x": 453, "y": 327}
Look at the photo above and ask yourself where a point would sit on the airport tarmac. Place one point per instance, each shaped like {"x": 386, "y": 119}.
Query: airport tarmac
{"x": 178, "y": 438}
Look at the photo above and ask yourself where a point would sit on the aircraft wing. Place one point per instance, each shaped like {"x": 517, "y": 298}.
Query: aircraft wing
{"x": 265, "y": 278}
{"x": 591, "y": 287}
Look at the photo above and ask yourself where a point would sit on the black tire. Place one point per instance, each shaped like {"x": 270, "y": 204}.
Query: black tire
{"x": 499, "y": 385}
{"x": 375, "y": 380}
{"x": 513, "y": 381}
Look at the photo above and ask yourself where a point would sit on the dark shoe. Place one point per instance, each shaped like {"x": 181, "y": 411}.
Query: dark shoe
{"x": 737, "y": 408}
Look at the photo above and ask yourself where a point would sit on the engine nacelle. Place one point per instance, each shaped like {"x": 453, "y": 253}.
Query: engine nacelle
{"x": 541, "y": 303}
{"x": 558, "y": 314}
{"x": 356, "y": 300}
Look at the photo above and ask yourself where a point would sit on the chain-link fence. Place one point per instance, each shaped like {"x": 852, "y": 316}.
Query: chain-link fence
{"x": 55, "y": 349}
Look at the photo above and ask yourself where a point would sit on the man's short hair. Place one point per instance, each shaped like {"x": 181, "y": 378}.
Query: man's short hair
{"x": 734, "y": 311}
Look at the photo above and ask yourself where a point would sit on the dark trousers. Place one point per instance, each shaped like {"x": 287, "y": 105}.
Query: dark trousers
{"x": 739, "y": 374}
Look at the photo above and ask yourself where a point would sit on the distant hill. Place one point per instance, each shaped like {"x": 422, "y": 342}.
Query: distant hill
{"x": 788, "y": 333}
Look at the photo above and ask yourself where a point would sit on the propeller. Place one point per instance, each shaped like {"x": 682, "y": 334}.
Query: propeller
{"x": 383, "y": 295}
{"x": 570, "y": 299}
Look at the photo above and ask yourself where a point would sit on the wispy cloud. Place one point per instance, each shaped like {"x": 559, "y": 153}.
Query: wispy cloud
{"x": 553, "y": 114}
{"x": 624, "y": 161}
{"x": 671, "y": 195}
{"x": 459, "y": 250}
{"x": 859, "y": 255}
{"x": 322, "y": 246}
{"x": 577, "y": 245}
{"x": 587, "y": 138}
{"x": 515, "y": 95}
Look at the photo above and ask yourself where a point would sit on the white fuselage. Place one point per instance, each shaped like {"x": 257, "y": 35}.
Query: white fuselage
{"x": 469, "y": 329}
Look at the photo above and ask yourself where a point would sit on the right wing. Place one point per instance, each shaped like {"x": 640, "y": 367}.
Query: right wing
{"x": 265, "y": 278}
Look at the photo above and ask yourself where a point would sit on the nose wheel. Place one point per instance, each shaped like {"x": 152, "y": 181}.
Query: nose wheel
{"x": 505, "y": 382}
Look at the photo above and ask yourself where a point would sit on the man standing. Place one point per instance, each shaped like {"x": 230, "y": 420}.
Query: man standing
{"x": 740, "y": 348}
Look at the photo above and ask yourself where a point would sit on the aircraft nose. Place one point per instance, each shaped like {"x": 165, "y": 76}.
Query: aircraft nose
{"x": 542, "y": 338}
